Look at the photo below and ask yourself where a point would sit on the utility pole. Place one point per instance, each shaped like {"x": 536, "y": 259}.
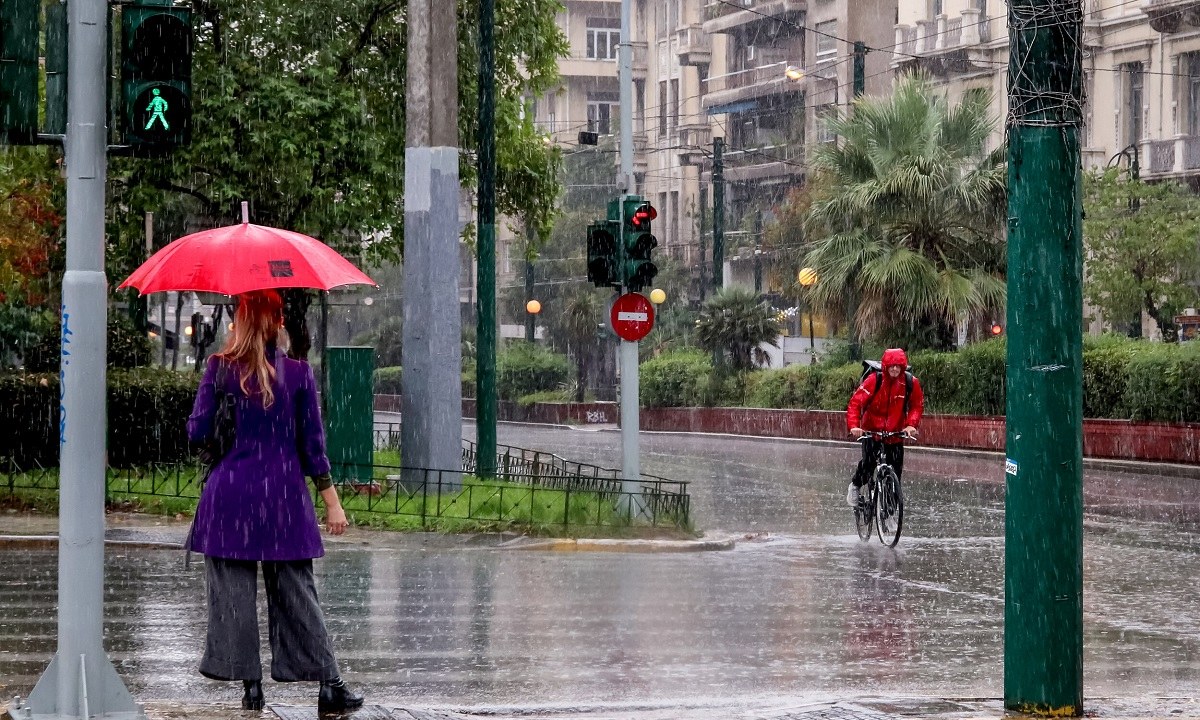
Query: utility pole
{"x": 80, "y": 682}
{"x": 1043, "y": 558}
{"x": 431, "y": 435}
{"x": 631, "y": 470}
{"x": 485, "y": 337}
{"x": 718, "y": 276}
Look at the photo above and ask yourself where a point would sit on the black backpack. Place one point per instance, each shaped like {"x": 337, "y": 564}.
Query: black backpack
{"x": 874, "y": 367}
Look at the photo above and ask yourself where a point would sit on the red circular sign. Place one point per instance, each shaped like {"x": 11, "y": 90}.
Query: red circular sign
{"x": 631, "y": 317}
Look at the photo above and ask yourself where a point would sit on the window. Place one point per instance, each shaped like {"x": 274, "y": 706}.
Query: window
{"x": 603, "y": 38}
{"x": 826, "y": 33}
{"x": 938, "y": 8}
{"x": 601, "y": 109}
{"x": 662, "y": 108}
{"x": 1191, "y": 93}
{"x": 823, "y": 132}
{"x": 1133, "y": 79}
{"x": 674, "y": 103}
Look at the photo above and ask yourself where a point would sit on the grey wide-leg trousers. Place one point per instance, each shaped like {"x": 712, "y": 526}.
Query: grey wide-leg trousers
{"x": 300, "y": 647}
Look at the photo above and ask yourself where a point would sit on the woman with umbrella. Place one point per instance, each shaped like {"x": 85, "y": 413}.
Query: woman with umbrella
{"x": 256, "y": 510}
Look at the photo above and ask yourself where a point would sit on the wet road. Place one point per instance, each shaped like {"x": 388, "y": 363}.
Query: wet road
{"x": 804, "y": 612}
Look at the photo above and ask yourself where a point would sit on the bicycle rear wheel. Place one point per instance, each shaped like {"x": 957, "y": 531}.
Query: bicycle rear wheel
{"x": 889, "y": 506}
{"x": 864, "y": 513}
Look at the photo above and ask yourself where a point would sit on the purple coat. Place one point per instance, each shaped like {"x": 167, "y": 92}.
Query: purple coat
{"x": 256, "y": 504}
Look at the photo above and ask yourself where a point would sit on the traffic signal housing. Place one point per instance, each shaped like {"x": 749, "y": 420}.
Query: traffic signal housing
{"x": 638, "y": 270}
{"x": 19, "y": 25}
{"x": 156, "y": 76}
{"x": 602, "y": 260}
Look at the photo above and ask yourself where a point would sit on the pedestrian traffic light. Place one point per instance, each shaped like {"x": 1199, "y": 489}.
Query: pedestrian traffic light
{"x": 637, "y": 269}
{"x": 156, "y": 76}
{"x": 602, "y": 254}
{"x": 19, "y": 23}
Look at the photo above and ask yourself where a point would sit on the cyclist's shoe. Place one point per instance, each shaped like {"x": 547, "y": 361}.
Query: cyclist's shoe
{"x": 852, "y": 498}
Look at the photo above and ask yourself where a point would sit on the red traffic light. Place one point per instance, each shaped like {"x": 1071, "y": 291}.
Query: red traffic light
{"x": 997, "y": 328}
{"x": 643, "y": 215}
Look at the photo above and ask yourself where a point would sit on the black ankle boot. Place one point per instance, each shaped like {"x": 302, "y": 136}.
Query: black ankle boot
{"x": 336, "y": 696}
{"x": 253, "y": 697}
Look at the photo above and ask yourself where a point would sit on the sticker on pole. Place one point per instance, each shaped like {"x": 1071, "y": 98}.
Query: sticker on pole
{"x": 631, "y": 317}
{"x": 1010, "y": 466}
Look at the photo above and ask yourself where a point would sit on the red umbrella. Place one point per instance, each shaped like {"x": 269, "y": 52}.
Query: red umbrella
{"x": 239, "y": 258}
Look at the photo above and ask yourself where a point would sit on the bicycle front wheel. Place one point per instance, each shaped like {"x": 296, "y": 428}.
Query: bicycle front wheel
{"x": 864, "y": 513}
{"x": 889, "y": 506}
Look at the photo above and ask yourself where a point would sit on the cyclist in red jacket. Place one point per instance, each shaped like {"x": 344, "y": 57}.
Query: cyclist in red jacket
{"x": 886, "y": 401}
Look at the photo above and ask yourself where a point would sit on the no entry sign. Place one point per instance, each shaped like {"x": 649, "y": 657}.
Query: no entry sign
{"x": 631, "y": 317}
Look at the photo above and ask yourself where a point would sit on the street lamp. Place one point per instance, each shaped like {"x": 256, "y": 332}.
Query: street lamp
{"x": 793, "y": 73}
{"x": 807, "y": 278}
{"x": 657, "y": 296}
{"x": 533, "y": 307}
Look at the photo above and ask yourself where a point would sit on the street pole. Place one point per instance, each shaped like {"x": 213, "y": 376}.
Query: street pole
{"x": 718, "y": 276}
{"x": 631, "y": 471}
{"x": 860, "y": 68}
{"x": 431, "y": 433}
{"x": 80, "y": 682}
{"x": 1043, "y": 559}
{"x": 530, "y": 318}
{"x": 485, "y": 363}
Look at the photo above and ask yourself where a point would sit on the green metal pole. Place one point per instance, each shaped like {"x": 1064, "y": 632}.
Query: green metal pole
{"x": 1043, "y": 563}
{"x": 530, "y": 318}
{"x": 718, "y": 271}
{"x": 485, "y": 379}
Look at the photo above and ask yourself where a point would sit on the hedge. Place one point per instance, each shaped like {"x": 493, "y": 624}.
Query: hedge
{"x": 147, "y": 415}
{"x": 523, "y": 368}
{"x": 1122, "y": 378}
{"x": 387, "y": 380}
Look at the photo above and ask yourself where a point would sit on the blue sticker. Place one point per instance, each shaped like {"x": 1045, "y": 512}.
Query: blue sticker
{"x": 1010, "y": 466}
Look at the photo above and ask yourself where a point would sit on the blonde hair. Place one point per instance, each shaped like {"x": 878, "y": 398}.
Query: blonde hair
{"x": 256, "y": 325}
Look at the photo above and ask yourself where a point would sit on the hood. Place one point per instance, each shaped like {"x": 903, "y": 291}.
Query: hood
{"x": 894, "y": 356}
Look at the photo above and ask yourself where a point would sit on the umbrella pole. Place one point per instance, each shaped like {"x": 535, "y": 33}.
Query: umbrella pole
{"x": 324, "y": 347}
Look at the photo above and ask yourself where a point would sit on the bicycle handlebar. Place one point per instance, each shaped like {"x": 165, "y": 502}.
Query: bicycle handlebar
{"x": 883, "y": 435}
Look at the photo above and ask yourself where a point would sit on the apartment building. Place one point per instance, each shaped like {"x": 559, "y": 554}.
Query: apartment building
{"x": 786, "y": 65}
{"x": 1141, "y": 76}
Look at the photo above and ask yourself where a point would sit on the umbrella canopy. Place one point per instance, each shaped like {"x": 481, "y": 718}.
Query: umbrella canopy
{"x": 239, "y": 258}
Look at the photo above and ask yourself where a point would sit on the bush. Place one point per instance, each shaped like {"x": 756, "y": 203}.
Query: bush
{"x": 836, "y": 385}
{"x": 147, "y": 417}
{"x": 795, "y": 386}
{"x": 387, "y": 380}
{"x": 1106, "y": 380}
{"x": 1162, "y": 383}
{"x": 982, "y": 379}
{"x": 676, "y": 379}
{"x": 524, "y": 368}
{"x": 941, "y": 380}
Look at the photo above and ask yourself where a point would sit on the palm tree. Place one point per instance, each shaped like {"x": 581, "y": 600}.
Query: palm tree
{"x": 578, "y": 327}
{"x": 736, "y": 321}
{"x": 906, "y": 231}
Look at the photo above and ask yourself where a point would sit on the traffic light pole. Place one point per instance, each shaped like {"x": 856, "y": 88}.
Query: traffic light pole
{"x": 1043, "y": 556}
{"x": 631, "y": 471}
{"x": 80, "y": 682}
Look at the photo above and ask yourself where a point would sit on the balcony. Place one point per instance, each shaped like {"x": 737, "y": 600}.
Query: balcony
{"x": 641, "y": 157}
{"x": 745, "y": 86}
{"x": 693, "y": 46}
{"x": 782, "y": 162}
{"x": 694, "y": 142}
{"x": 1173, "y": 16}
{"x": 641, "y": 53}
{"x": 579, "y": 66}
{"x": 1177, "y": 158}
{"x": 945, "y": 46}
{"x": 748, "y": 15}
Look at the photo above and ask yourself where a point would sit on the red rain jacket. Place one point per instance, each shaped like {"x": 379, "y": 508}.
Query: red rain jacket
{"x": 881, "y": 409}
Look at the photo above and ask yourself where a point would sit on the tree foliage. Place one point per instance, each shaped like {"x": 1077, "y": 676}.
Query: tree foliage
{"x": 1143, "y": 248}
{"x": 736, "y": 321}
{"x": 906, "y": 229}
{"x": 299, "y": 109}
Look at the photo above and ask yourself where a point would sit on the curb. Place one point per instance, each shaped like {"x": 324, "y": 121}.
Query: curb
{"x": 622, "y": 545}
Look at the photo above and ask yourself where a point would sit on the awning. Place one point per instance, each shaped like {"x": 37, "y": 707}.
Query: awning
{"x": 737, "y": 107}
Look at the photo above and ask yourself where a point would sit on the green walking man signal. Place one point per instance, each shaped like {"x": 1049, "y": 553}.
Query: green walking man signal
{"x": 156, "y": 108}
{"x": 156, "y": 76}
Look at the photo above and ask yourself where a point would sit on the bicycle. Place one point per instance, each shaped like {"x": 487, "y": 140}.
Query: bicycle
{"x": 881, "y": 499}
